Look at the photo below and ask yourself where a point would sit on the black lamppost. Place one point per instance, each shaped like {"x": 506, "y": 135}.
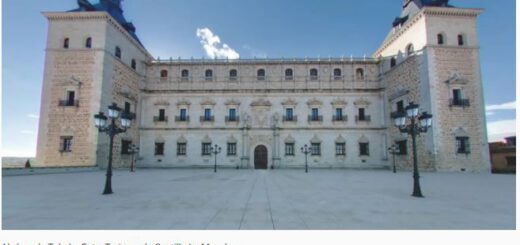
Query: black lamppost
{"x": 414, "y": 128}
{"x": 393, "y": 150}
{"x": 215, "y": 150}
{"x": 133, "y": 150}
{"x": 112, "y": 130}
{"x": 305, "y": 150}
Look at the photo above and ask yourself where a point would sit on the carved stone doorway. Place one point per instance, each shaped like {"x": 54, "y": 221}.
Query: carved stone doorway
{"x": 260, "y": 157}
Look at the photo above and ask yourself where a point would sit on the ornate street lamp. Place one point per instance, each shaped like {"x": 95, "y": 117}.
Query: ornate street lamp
{"x": 215, "y": 150}
{"x": 413, "y": 129}
{"x": 305, "y": 150}
{"x": 133, "y": 150}
{"x": 112, "y": 130}
{"x": 393, "y": 150}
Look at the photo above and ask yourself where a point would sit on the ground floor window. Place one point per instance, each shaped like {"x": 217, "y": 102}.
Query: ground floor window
{"x": 181, "y": 149}
{"x": 232, "y": 149}
{"x": 125, "y": 146}
{"x": 289, "y": 149}
{"x": 402, "y": 146}
{"x": 463, "y": 145}
{"x": 363, "y": 149}
{"x": 66, "y": 144}
{"x": 315, "y": 149}
{"x": 206, "y": 149}
{"x": 340, "y": 149}
{"x": 159, "y": 148}
{"x": 511, "y": 161}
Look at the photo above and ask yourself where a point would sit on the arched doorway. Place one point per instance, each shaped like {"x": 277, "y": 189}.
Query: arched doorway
{"x": 260, "y": 157}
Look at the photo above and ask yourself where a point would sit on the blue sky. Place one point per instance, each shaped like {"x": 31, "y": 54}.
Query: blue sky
{"x": 272, "y": 28}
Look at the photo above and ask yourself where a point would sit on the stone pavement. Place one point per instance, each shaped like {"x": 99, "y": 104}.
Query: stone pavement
{"x": 258, "y": 200}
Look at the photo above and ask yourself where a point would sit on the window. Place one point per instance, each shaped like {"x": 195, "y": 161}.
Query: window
{"x": 66, "y": 43}
{"x": 315, "y": 149}
{"x": 209, "y": 74}
{"x": 164, "y": 73}
{"x": 361, "y": 114}
{"x": 360, "y": 74}
{"x": 71, "y": 98}
{"x": 183, "y": 115}
{"x": 206, "y": 149}
{"x": 400, "y": 106}
{"x": 288, "y": 74}
{"x": 289, "y": 114}
{"x": 340, "y": 149}
{"x": 181, "y": 149}
{"x": 457, "y": 99}
{"x": 88, "y": 43}
{"x": 511, "y": 161}
{"x": 337, "y": 74}
{"x": 289, "y": 149}
{"x": 125, "y": 147}
{"x": 463, "y": 145}
{"x": 162, "y": 115}
{"x": 440, "y": 39}
{"x": 231, "y": 149}
{"x": 185, "y": 75}
{"x": 314, "y": 74}
{"x": 66, "y": 144}
{"x": 409, "y": 49}
{"x": 134, "y": 64}
{"x": 363, "y": 149}
{"x": 339, "y": 114}
{"x": 402, "y": 146}
{"x": 315, "y": 114}
{"x": 393, "y": 62}
{"x": 232, "y": 115}
{"x": 260, "y": 74}
{"x": 460, "y": 39}
{"x": 118, "y": 52}
{"x": 159, "y": 148}
{"x": 207, "y": 114}
{"x": 233, "y": 74}
{"x": 127, "y": 107}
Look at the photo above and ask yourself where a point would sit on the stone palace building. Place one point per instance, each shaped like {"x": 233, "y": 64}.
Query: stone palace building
{"x": 262, "y": 111}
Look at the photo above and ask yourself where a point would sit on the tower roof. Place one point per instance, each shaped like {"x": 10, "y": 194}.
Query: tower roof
{"x": 412, "y": 7}
{"x": 112, "y": 7}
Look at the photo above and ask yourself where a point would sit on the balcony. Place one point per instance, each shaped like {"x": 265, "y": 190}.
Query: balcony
{"x": 290, "y": 119}
{"x": 315, "y": 118}
{"x": 68, "y": 103}
{"x": 235, "y": 119}
{"x": 207, "y": 119}
{"x": 459, "y": 102}
{"x": 342, "y": 118}
{"x": 182, "y": 119}
{"x": 160, "y": 119}
{"x": 363, "y": 118}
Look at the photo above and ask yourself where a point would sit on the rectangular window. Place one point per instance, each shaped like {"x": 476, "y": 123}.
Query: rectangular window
{"x": 511, "y": 161}
{"x": 232, "y": 149}
{"x": 162, "y": 116}
{"x": 70, "y": 98}
{"x": 206, "y": 149}
{"x": 289, "y": 149}
{"x": 127, "y": 107}
{"x": 463, "y": 146}
{"x": 363, "y": 149}
{"x": 402, "y": 147}
{"x": 361, "y": 114}
{"x": 207, "y": 114}
{"x": 400, "y": 106}
{"x": 315, "y": 149}
{"x": 232, "y": 114}
{"x": 183, "y": 116}
{"x": 315, "y": 114}
{"x": 340, "y": 149}
{"x": 339, "y": 114}
{"x": 181, "y": 149}
{"x": 125, "y": 147}
{"x": 289, "y": 114}
{"x": 66, "y": 144}
{"x": 457, "y": 96}
{"x": 159, "y": 148}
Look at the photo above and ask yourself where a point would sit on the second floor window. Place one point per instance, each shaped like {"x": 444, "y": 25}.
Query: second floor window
{"x": 164, "y": 73}
{"x": 209, "y": 75}
{"x": 183, "y": 115}
{"x": 88, "y": 43}
{"x": 460, "y": 39}
{"x": 181, "y": 149}
{"x": 118, "y": 52}
{"x": 289, "y": 114}
{"x": 288, "y": 74}
{"x": 206, "y": 149}
{"x": 360, "y": 74}
{"x": 232, "y": 149}
{"x": 66, "y": 43}
{"x": 463, "y": 146}
{"x": 207, "y": 114}
{"x": 159, "y": 148}
{"x": 340, "y": 149}
{"x": 315, "y": 149}
{"x": 313, "y": 74}
{"x": 232, "y": 114}
{"x": 233, "y": 74}
{"x": 185, "y": 74}
{"x": 339, "y": 114}
{"x": 133, "y": 64}
{"x": 289, "y": 149}
{"x": 440, "y": 39}
{"x": 361, "y": 114}
{"x": 162, "y": 115}
{"x": 363, "y": 149}
{"x": 337, "y": 74}
{"x": 315, "y": 116}
{"x": 260, "y": 74}
{"x": 71, "y": 97}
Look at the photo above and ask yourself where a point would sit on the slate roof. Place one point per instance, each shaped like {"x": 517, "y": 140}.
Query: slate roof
{"x": 112, "y": 7}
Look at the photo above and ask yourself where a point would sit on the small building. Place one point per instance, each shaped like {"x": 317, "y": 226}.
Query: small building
{"x": 503, "y": 156}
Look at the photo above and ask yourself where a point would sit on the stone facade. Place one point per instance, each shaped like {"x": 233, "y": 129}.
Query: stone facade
{"x": 339, "y": 107}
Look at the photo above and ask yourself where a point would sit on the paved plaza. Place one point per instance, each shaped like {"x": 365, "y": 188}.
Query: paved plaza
{"x": 258, "y": 200}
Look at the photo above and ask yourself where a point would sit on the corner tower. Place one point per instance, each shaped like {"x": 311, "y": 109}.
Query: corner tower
{"x": 431, "y": 57}
{"x": 93, "y": 58}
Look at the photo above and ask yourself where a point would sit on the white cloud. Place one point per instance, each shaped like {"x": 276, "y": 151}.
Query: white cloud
{"x": 497, "y": 130}
{"x": 211, "y": 44}
{"x": 33, "y": 116}
{"x": 504, "y": 106}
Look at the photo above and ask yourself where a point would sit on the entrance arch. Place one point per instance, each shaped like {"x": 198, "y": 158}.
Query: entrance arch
{"x": 261, "y": 157}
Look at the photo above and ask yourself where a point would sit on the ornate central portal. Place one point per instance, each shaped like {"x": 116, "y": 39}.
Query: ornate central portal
{"x": 260, "y": 157}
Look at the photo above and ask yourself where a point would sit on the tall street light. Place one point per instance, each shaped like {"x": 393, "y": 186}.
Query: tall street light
{"x": 414, "y": 128}
{"x": 305, "y": 150}
{"x": 215, "y": 150}
{"x": 393, "y": 150}
{"x": 112, "y": 130}
{"x": 134, "y": 149}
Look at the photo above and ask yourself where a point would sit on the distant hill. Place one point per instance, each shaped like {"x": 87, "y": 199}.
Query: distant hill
{"x": 15, "y": 162}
